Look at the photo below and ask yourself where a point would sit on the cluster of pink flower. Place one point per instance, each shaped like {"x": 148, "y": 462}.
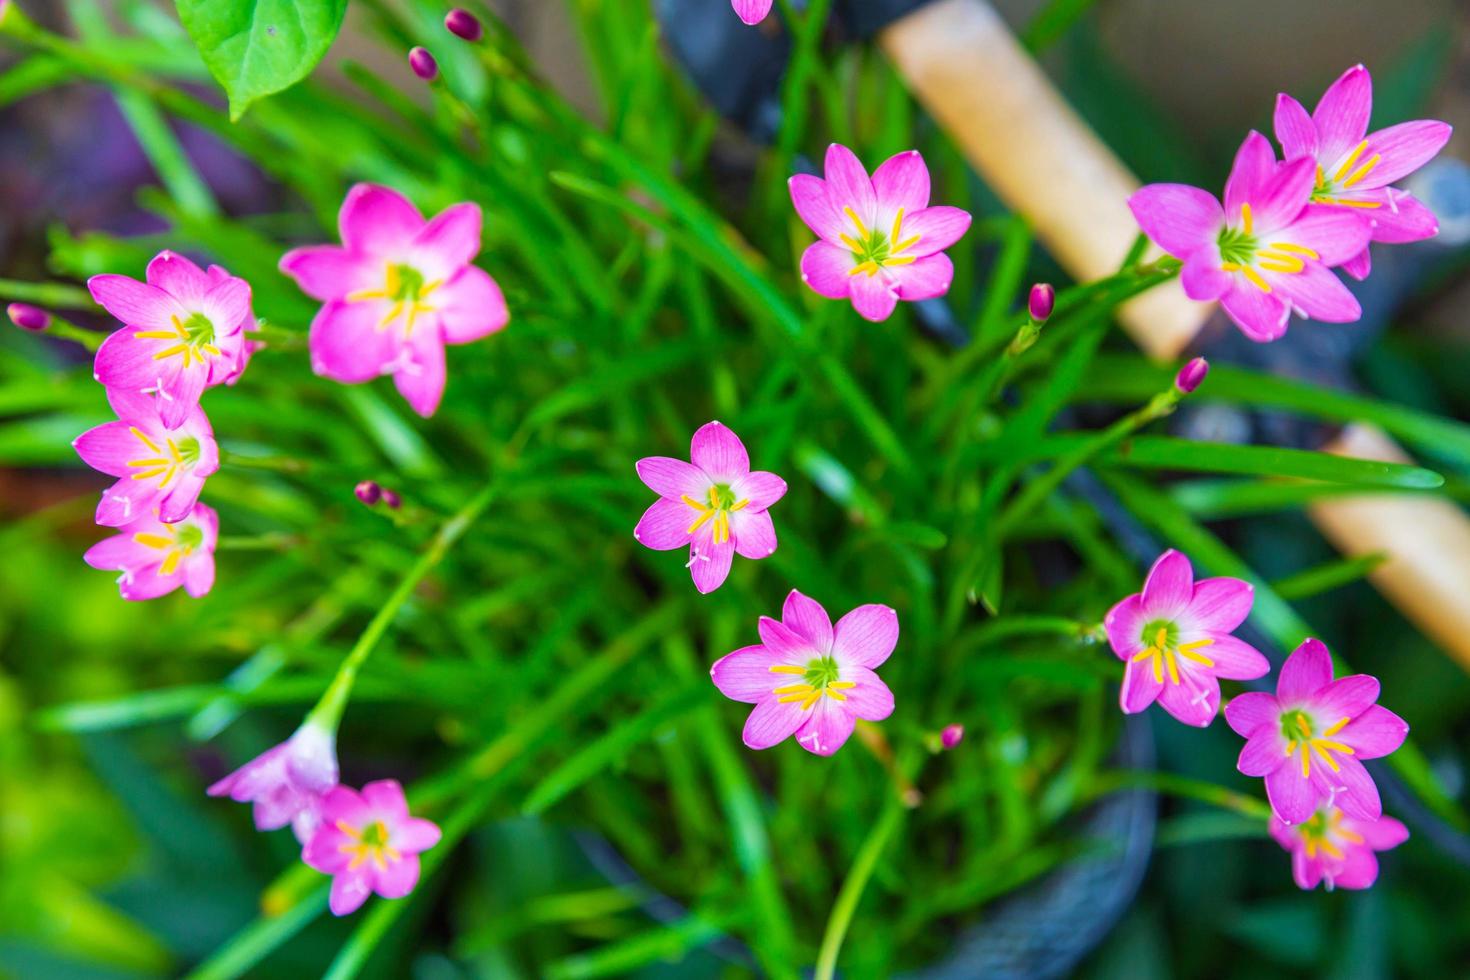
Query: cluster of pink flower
{"x": 367, "y": 841}
{"x": 1308, "y": 740}
{"x": 1284, "y": 224}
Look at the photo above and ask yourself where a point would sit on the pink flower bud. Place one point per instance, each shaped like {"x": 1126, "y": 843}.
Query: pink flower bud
{"x": 368, "y": 492}
{"x": 423, "y": 64}
{"x": 952, "y": 734}
{"x": 392, "y": 499}
{"x": 1190, "y": 376}
{"x": 24, "y": 315}
{"x": 462, "y": 23}
{"x": 1043, "y": 298}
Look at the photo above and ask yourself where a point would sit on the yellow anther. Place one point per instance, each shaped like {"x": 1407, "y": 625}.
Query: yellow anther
{"x": 793, "y": 688}
{"x": 1352, "y": 159}
{"x": 1256, "y": 278}
{"x": 1173, "y": 665}
{"x": 1293, "y": 247}
{"x": 1362, "y": 171}
{"x": 1341, "y": 722}
{"x": 862, "y": 229}
{"x": 153, "y": 540}
{"x": 1245, "y": 217}
{"x": 786, "y": 669}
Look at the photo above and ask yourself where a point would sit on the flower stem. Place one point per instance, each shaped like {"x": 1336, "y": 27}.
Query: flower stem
{"x": 52, "y": 295}
{"x": 1163, "y": 782}
{"x": 278, "y": 464}
{"x": 328, "y": 711}
{"x": 863, "y": 864}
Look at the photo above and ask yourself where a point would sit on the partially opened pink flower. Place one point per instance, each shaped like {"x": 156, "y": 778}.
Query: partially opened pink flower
{"x": 1309, "y": 740}
{"x": 1355, "y": 167}
{"x": 1267, "y": 252}
{"x": 1174, "y": 638}
{"x": 1334, "y": 848}
{"x": 810, "y": 679}
{"x": 368, "y": 843}
{"x": 752, "y": 11}
{"x": 160, "y": 470}
{"x": 396, "y": 291}
{"x": 880, "y": 240}
{"x": 155, "y": 558}
{"x": 715, "y": 505}
{"x": 182, "y": 332}
{"x": 286, "y": 783}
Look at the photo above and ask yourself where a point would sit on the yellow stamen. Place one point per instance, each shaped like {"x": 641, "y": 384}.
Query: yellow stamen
{"x": 1331, "y": 848}
{"x": 1245, "y": 217}
{"x": 786, "y": 669}
{"x": 1158, "y": 670}
{"x": 1334, "y": 746}
{"x": 1337, "y": 727}
{"x": 1293, "y": 247}
{"x": 1290, "y": 749}
{"x": 1352, "y": 159}
{"x": 1362, "y": 171}
{"x": 153, "y": 540}
{"x": 812, "y": 699}
{"x": 792, "y": 688}
{"x": 170, "y": 563}
{"x": 144, "y": 439}
{"x": 171, "y": 351}
{"x": 1302, "y": 726}
{"x": 1145, "y": 654}
{"x": 841, "y": 684}
{"x": 1348, "y": 835}
{"x": 159, "y": 334}
{"x": 789, "y": 698}
{"x": 1344, "y": 202}
{"x": 893, "y": 235}
{"x": 1255, "y": 277}
{"x": 1173, "y": 665}
{"x": 870, "y": 267}
{"x": 862, "y": 229}
{"x": 836, "y": 695}
{"x": 1306, "y": 762}
{"x": 1326, "y": 756}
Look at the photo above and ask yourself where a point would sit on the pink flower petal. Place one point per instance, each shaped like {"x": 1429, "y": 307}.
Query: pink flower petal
{"x": 827, "y": 269}
{"x": 1169, "y": 587}
{"x": 416, "y": 835}
{"x": 1359, "y": 869}
{"x": 1235, "y": 659}
{"x": 1264, "y": 752}
{"x": 346, "y": 344}
{"x": 1250, "y": 177}
{"x": 866, "y": 636}
{"x": 1404, "y": 149}
{"x": 178, "y": 502}
{"x": 148, "y": 582}
{"x": 805, "y": 617}
{"x": 1402, "y": 218}
{"x": 1249, "y": 713}
{"x": 771, "y": 722}
{"x": 108, "y": 448}
{"x": 719, "y": 452}
{"x": 870, "y": 698}
{"x": 113, "y": 553}
{"x": 227, "y": 305}
{"x": 827, "y": 727}
{"x": 1260, "y": 316}
{"x": 1346, "y": 697}
{"x": 1202, "y": 277}
{"x": 938, "y": 228}
{"x": 665, "y": 525}
{"x": 754, "y": 534}
{"x": 399, "y": 878}
{"x": 1342, "y": 114}
{"x": 178, "y": 394}
{"x": 1280, "y": 198}
{"x": 1316, "y": 293}
{"x": 814, "y": 207}
{"x": 349, "y": 890}
{"x": 1306, "y": 671}
{"x": 848, "y": 185}
{"x": 135, "y": 303}
{"x": 385, "y": 796}
{"x": 1219, "y": 605}
{"x": 673, "y": 478}
{"x": 470, "y": 306}
{"x": 1179, "y": 218}
{"x": 1292, "y": 797}
{"x": 1374, "y": 733}
{"x": 752, "y": 11}
{"x": 199, "y": 574}
{"x": 125, "y": 501}
{"x": 762, "y": 489}
{"x": 1140, "y": 689}
{"x": 709, "y": 561}
{"x": 324, "y": 850}
{"x": 1357, "y": 794}
{"x": 873, "y": 295}
{"x": 745, "y": 675}
{"x": 902, "y": 181}
{"x": 1382, "y": 834}
{"x": 1124, "y": 624}
{"x": 448, "y": 243}
{"x": 420, "y": 379}
{"x": 1194, "y": 700}
{"x": 378, "y": 221}
{"x": 784, "y": 644}
{"x": 328, "y": 272}
{"x": 927, "y": 278}
{"x": 179, "y": 277}
{"x": 1335, "y": 234}
{"x": 1360, "y": 265}
{"x": 1294, "y": 128}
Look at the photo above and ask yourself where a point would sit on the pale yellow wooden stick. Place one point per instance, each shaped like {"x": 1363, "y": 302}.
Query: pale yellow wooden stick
{"x": 1038, "y": 155}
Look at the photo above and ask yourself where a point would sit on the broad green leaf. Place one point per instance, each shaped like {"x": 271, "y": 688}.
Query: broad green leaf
{"x": 255, "y": 48}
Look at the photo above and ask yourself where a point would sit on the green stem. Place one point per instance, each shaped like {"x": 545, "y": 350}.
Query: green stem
{"x": 328, "y": 711}
{"x": 276, "y": 464}
{"x": 1163, "y": 782}
{"x": 863, "y": 864}
{"x": 51, "y": 295}
{"x": 259, "y": 542}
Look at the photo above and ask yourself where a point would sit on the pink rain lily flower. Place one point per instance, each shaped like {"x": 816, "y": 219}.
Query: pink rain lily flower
{"x": 752, "y": 11}
{"x": 880, "y": 240}
{"x": 810, "y": 679}
{"x": 1174, "y": 638}
{"x": 1309, "y": 740}
{"x": 1267, "y": 252}
{"x": 183, "y": 331}
{"x": 1354, "y": 167}
{"x": 396, "y": 291}
{"x": 715, "y": 505}
{"x": 156, "y": 558}
{"x": 368, "y": 843}
{"x": 159, "y": 470}
{"x": 1334, "y": 848}
{"x": 286, "y": 783}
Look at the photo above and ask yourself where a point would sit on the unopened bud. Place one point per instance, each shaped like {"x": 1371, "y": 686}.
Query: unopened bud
{"x": 368, "y": 492}
{"x": 462, "y": 23}
{"x": 423, "y": 64}
{"x": 1041, "y": 302}
{"x": 1190, "y": 376}
{"x": 952, "y": 736}
{"x": 24, "y": 315}
{"x": 392, "y": 499}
